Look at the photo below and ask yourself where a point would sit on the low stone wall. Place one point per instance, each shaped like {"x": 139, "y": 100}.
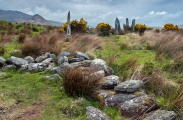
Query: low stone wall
{"x": 129, "y": 96}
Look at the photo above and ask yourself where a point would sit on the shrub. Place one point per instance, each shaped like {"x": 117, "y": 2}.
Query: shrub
{"x": 170, "y": 27}
{"x": 77, "y": 83}
{"x": 103, "y": 29}
{"x": 157, "y": 30}
{"x": 16, "y": 53}
{"x": 140, "y": 28}
{"x": 21, "y": 38}
{"x": 34, "y": 29}
{"x": 75, "y": 26}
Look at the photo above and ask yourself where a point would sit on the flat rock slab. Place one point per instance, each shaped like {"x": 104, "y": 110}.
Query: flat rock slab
{"x": 18, "y": 61}
{"x": 138, "y": 106}
{"x": 40, "y": 58}
{"x": 82, "y": 55}
{"x": 95, "y": 114}
{"x": 109, "y": 82}
{"x": 118, "y": 99}
{"x": 161, "y": 115}
{"x": 55, "y": 76}
{"x": 129, "y": 86}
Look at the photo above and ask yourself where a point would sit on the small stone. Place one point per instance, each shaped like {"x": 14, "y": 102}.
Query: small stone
{"x": 95, "y": 114}
{"x": 36, "y": 67}
{"x": 29, "y": 59}
{"x": 82, "y": 55}
{"x": 47, "y": 61}
{"x": 161, "y": 115}
{"x": 2, "y": 61}
{"x": 129, "y": 86}
{"x": 40, "y": 58}
{"x": 62, "y": 59}
{"x": 109, "y": 82}
{"x": 76, "y": 60}
{"x": 98, "y": 74}
{"x": 85, "y": 63}
{"x": 65, "y": 67}
{"x": 108, "y": 71}
{"x": 64, "y": 54}
{"x": 136, "y": 106}
{"x": 52, "y": 56}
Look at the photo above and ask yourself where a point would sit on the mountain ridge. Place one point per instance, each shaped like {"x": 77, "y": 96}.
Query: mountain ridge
{"x": 20, "y": 17}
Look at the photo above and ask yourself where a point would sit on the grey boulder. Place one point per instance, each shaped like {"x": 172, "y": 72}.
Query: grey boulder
{"x": 40, "y": 58}
{"x": 2, "y": 61}
{"x": 129, "y": 86}
{"x": 161, "y": 115}
{"x": 63, "y": 68}
{"x": 47, "y": 61}
{"x": 18, "y": 61}
{"x": 109, "y": 82}
{"x": 95, "y": 114}
{"x": 29, "y": 59}
{"x": 36, "y": 67}
{"x": 62, "y": 59}
{"x": 98, "y": 64}
{"x": 82, "y": 55}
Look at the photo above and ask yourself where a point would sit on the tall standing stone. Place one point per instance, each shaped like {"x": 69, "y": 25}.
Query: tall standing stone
{"x": 68, "y": 25}
{"x": 133, "y": 25}
{"x": 117, "y": 26}
{"x": 127, "y": 22}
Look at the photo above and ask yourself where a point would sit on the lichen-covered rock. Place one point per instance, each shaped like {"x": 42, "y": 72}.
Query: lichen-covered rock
{"x": 81, "y": 55}
{"x": 118, "y": 99}
{"x": 2, "y": 61}
{"x": 109, "y": 82}
{"x": 40, "y": 58}
{"x": 62, "y": 59}
{"x": 161, "y": 115}
{"x": 65, "y": 67}
{"x": 138, "y": 106}
{"x": 18, "y": 61}
{"x": 85, "y": 63}
{"x": 72, "y": 60}
{"x": 29, "y": 59}
{"x": 101, "y": 95}
{"x": 98, "y": 64}
{"x": 129, "y": 86}
{"x": 37, "y": 67}
{"x": 95, "y": 114}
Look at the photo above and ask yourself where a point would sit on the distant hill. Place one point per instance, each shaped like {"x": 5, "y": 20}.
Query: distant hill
{"x": 181, "y": 25}
{"x": 17, "y": 16}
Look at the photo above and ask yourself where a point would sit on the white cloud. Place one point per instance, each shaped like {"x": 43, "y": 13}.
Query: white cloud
{"x": 157, "y": 13}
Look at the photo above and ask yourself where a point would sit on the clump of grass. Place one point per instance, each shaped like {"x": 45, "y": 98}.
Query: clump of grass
{"x": 2, "y": 49}
{"x": 34, "y": 29}
{"x": 77, "y": 83}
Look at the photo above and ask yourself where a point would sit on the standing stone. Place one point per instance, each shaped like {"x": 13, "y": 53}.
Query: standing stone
{"x": 68, "y": 25}
{"x": 127, "y": 22}
{"x": 117, "y": 27}
{"x": 133, "y": 25}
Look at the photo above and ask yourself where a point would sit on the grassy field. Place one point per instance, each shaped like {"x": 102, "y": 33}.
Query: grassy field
{"x": 32, "y": 96}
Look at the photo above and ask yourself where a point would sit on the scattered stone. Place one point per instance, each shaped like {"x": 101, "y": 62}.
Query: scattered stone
{"x": 137, "y": 106}
{"x": 110, "y": 82}
{"x": 129, "y": 86}
{"x": 118, "y": 99}
{"x": 40, "y": 58}
{"x": 36, "y": 67}
{"x": 161, "y": 115}
{"x": 82, "y": 55}
{"x": 2, "y": 61}
{"x": 95, "y": 114}
{"x": 62, "y": 59}
{"x": 18, "y": 61}
{"x": 98, "y": 64}
{"x": 29, "y": 59}
{"x": 55, "y": 76}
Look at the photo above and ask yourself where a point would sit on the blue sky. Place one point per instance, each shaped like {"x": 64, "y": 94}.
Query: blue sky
{"x": 150, "y": 12}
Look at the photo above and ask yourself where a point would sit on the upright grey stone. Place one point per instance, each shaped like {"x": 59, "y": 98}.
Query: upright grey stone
{"x": 127, "y": 22}
{"x": 117, "y": 27}
{"x": 68, "y": 25}
{"x": 133, "y": 25}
